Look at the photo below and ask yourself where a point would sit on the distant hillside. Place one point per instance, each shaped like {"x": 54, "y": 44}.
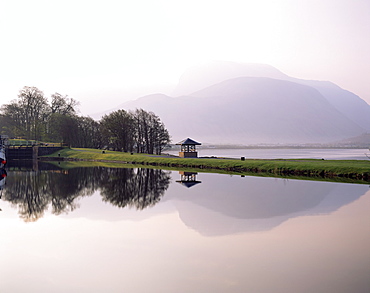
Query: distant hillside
{"x": 208, "y": 74}
{"x": 250, "y": 110}
{"x": 359, "y": 141}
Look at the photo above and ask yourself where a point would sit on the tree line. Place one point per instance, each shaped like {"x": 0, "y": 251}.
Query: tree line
{"x": 121, "y": 187}
{"x": 32, "y": 117}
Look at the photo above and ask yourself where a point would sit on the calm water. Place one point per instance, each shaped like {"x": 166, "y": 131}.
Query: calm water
{"x": 142, "y": 230}
{"x": 327, "y": 154}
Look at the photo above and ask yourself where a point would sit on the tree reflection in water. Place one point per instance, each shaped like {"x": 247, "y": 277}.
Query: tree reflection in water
{"x": 124, "y": 187}
{"x": 33, "y": 192}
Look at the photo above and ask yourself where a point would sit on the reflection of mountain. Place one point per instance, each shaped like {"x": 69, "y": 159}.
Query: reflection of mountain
{"x": 232, "y": 204}
{"x": 225, "y": 204}
{"x": 221, "y": 205}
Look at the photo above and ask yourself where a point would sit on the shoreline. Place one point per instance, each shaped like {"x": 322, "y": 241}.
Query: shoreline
{"x": 311, "y": 168}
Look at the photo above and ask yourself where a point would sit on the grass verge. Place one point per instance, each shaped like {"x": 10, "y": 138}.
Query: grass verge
{"x": 351, "y": 169}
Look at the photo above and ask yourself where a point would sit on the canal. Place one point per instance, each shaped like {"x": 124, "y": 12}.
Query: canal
{"x": 99, "y": 229}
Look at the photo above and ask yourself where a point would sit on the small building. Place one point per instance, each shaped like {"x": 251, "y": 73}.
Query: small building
{"x": 188, "y": 149}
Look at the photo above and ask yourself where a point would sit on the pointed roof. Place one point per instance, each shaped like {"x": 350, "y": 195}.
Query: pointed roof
{"x": 189, "y": 141}
{"x": 188, "y": 184}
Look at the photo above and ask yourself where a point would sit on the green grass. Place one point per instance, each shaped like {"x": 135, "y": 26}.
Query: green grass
{"x": 352, "y": 169}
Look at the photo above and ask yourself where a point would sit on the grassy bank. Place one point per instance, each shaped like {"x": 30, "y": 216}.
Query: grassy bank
{"x": 352, "y": 169}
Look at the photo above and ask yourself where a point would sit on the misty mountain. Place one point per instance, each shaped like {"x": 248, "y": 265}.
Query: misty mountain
{"x": 202, "y": 76}
{"x": 250, "y": 110}
{"x": 344, "y": 101}
{"x": 361, "y": 141}
{"x": 226, "y": 102}
{"x": 208, "y": 74}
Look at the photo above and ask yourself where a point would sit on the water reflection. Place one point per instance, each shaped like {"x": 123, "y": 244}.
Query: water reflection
{"x": 99, "y": 247}
{"x": 188, "y": 179}
{"x": 139, "y": 188}
{"x": 224, "y": 205}
{"x": 33, "y": 192}
{"x": 221, "y": 205}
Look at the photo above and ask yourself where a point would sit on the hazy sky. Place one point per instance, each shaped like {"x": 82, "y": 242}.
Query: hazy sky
{"x": 90, "y": 49}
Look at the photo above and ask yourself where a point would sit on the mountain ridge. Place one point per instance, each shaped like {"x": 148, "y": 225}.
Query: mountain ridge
{"x": 251, "y": 110}
{"x": 259, "y": 109}
{"x": 207, "y": 74}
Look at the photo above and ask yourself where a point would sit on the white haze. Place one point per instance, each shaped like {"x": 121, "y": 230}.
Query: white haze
{"x": 103, "y": 53}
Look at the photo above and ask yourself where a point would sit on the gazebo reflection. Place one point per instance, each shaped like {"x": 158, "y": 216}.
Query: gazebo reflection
{"x": 188, "y": 179}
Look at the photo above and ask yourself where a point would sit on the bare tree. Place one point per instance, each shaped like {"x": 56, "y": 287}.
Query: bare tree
{"x": 63, "y": 105}
{"x": 151, "y": 136}
{"x": 34, "y": 107}
{"x": 33, "y": 118}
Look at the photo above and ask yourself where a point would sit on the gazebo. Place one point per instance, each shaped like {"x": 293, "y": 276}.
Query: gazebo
{"x": 188, "y": 148}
